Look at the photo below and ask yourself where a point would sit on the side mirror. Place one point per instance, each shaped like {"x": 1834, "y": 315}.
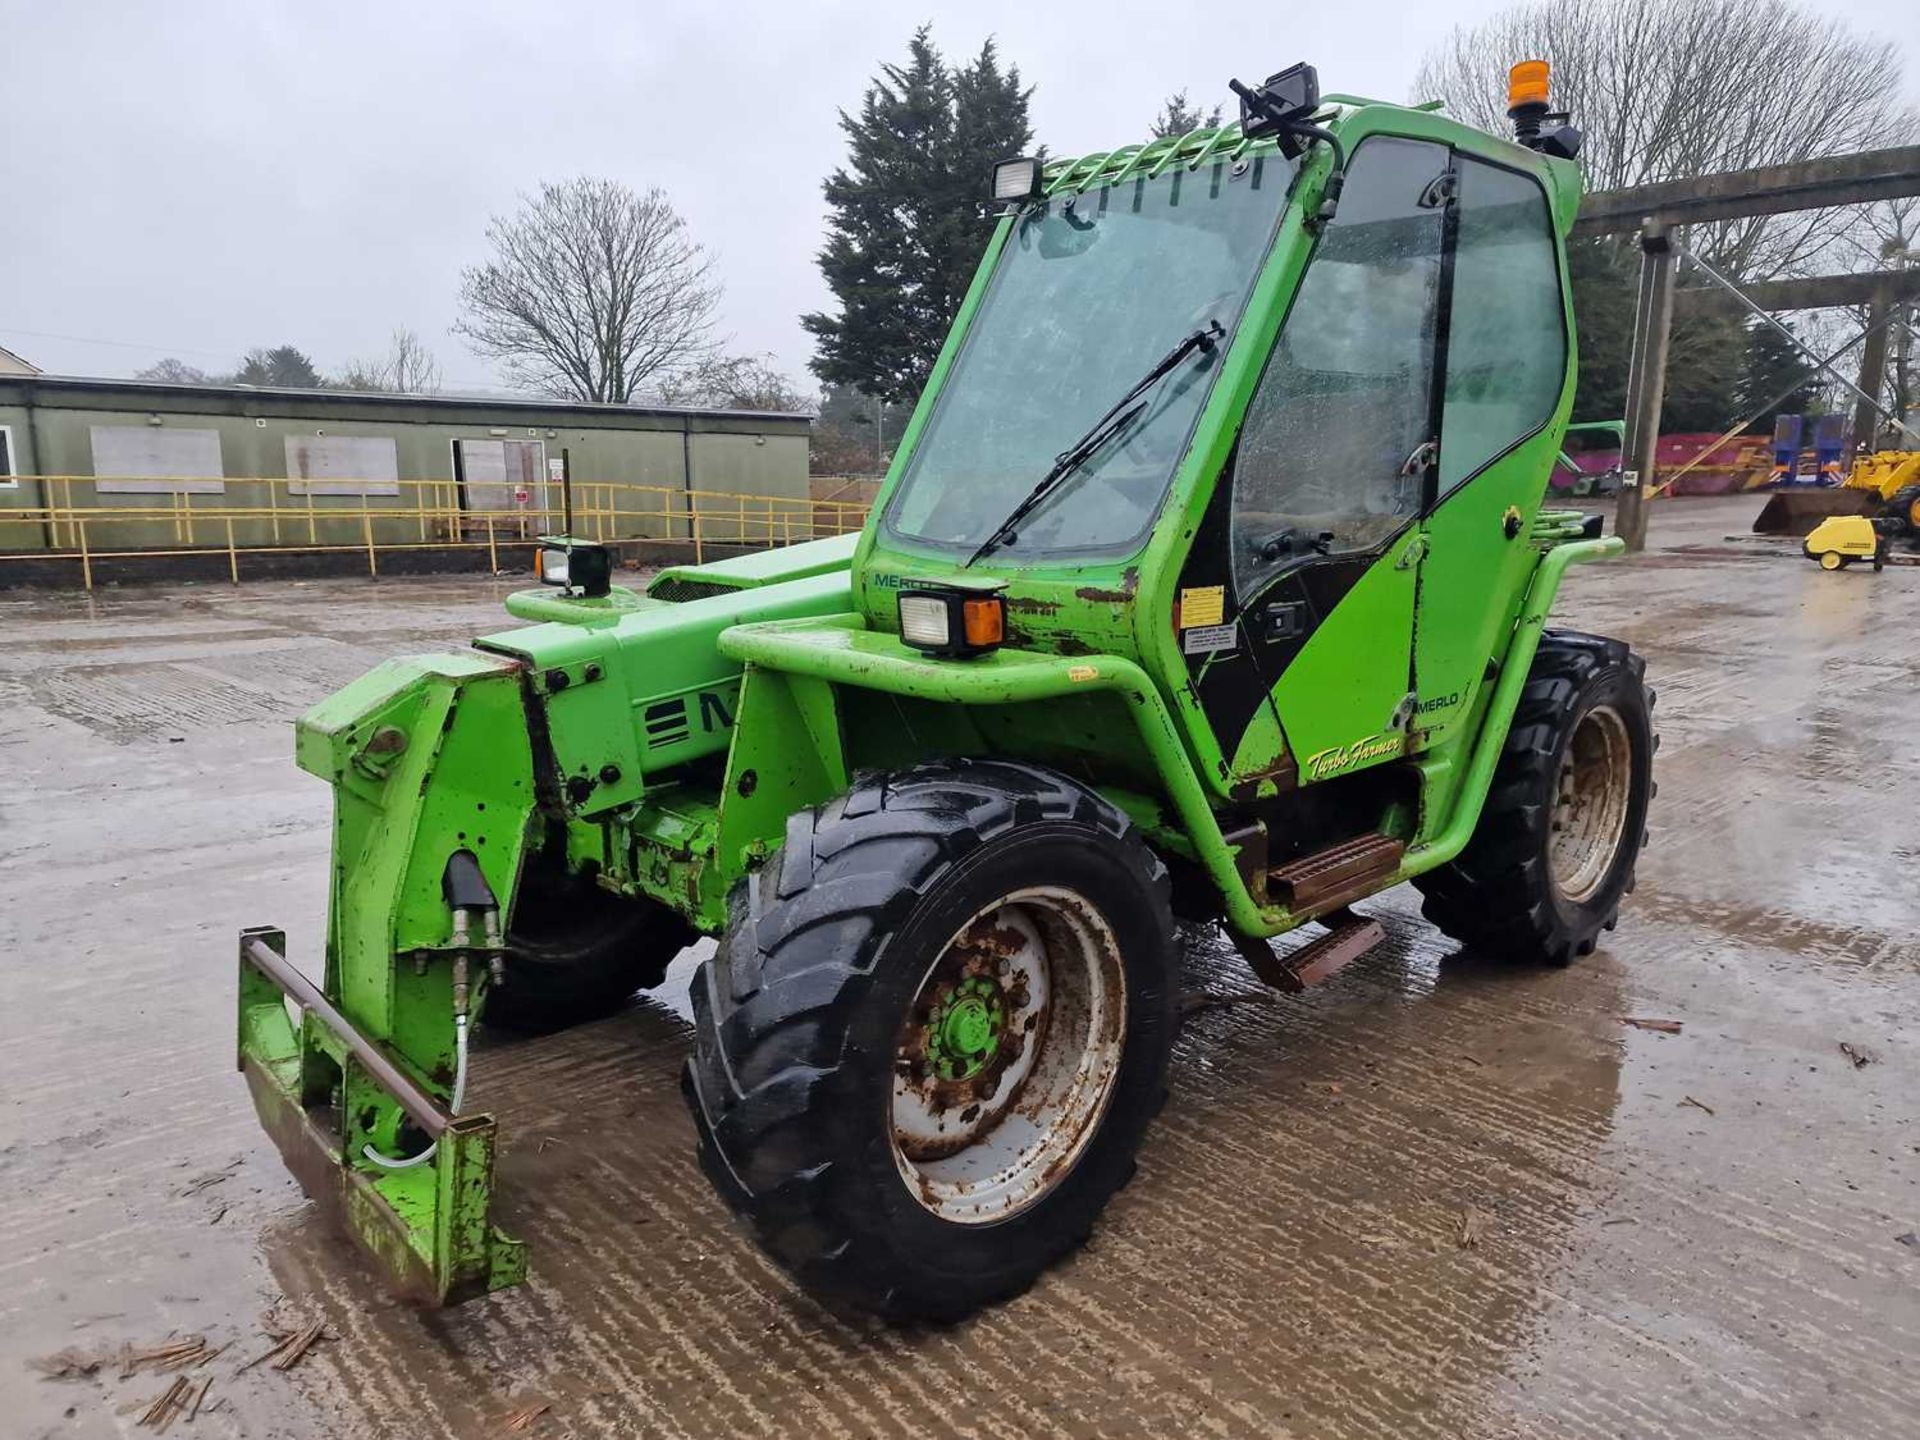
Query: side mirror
{"x": 574, "y": 566}
{"x": 1295, "y": 89}
{"x": 1274, "y": 107}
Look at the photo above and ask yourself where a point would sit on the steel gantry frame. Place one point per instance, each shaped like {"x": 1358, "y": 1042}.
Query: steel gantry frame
{"x": 1656, "y": 211}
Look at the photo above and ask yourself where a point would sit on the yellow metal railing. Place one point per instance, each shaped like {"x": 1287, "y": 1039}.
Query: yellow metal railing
{"x": 266, "y": 516}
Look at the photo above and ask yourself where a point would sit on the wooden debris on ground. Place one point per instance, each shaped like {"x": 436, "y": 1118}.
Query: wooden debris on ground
{"x": 1696, "y": 1104}
{"x": 188, "y": 1351}
{"x": 171, "y": 1404}
{"x": 290, "y": 1346}
{"x": 523, "y": 1418}
{"x": 210, "y": 1179}
{"x": 1473, "y": 1226}
{"x": 1662, "y": 1027}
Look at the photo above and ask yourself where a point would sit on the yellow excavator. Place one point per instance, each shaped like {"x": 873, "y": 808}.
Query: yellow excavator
{"x": 1885, "y": 485}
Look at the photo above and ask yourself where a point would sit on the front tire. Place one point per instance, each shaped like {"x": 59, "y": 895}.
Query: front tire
{"x": 932, "y": 1038}
{"x": 577, "y": 953}
{"x": 1554, "y": 852}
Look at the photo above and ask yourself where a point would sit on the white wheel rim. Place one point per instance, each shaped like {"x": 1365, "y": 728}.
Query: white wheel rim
{"x": 1589, "y": 818}
{"x": 982, "y": 1145}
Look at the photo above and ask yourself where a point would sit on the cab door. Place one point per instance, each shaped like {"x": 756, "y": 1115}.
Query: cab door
{"x": 1297, "y": 603}
{"x": 1504, "y": 375}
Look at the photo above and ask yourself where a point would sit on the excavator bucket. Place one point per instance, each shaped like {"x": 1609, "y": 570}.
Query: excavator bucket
{"x": 1795, "y": 512}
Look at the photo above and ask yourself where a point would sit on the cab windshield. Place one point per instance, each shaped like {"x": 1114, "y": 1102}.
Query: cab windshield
{"x": 1090, "y": 290}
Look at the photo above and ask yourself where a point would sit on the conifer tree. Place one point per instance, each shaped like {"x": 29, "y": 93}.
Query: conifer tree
{"x": 907, "y": 225}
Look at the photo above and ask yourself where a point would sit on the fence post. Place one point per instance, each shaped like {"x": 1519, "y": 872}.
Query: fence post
{"x": 233, "y": 558}
{"x": 366, "y": 528}
{"x": 493, "y": 551}
{"x": 273, "y": 505}
{"x": 86, "y": 560}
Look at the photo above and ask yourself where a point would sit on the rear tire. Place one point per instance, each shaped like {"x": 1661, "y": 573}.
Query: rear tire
{"x": 577, "y": 953}
{"x": 1564, "y": 820}
{"x": 897, "y": 1155}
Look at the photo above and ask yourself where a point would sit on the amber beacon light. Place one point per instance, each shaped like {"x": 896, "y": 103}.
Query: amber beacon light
{"x": 1535, "y": 125}
{"x": 1527, "y": 84}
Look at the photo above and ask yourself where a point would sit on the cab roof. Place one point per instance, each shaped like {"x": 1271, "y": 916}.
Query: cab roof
{"x": 1073, "y": 176}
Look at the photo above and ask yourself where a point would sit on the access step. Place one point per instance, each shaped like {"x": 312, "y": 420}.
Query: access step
{"x": 1336, "y": 876}
{"x": 1349, "y": 937}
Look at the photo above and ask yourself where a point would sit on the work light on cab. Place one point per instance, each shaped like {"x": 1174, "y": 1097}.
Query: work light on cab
{"x": 1016, "y": 181}
{"x": 953, "y": 620}
{"x": 573, "y": 566}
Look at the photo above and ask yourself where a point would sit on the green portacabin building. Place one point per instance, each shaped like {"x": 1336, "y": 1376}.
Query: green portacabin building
{"x": 319, "y": 467}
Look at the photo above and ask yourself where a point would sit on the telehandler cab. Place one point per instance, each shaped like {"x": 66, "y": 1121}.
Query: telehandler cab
{"x": 1209, "y": 580}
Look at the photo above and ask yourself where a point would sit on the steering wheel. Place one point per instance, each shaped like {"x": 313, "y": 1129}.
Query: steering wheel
{"x": 1294, "y": 541}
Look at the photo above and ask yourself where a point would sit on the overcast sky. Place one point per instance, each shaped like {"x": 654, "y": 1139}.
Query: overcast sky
{"x": 191, "y": 178}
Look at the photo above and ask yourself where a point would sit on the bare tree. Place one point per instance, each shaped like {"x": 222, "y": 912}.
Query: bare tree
{"x": 1670, "y": 88}
{"x": 410, "y": 365}
{"x": 592, "y": 291}
{"x": 408, "y": 368}
{"x": 172, "y": 371}
{"x": 736, "y": 382}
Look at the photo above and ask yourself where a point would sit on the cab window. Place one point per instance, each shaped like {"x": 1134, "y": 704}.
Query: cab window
{"x": 1329, "y": 460}
{"x": 1507, "y": 338}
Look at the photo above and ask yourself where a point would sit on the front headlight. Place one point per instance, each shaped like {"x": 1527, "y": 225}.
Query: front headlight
{"x": 574, "y": 566}
{"x": 956, "y": 620}
{"x": 550, "y": 565}
{"x": 926, "y": 621}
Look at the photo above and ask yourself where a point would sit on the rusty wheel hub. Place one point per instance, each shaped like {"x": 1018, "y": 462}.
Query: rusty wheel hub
{"x": 1007, "y": 1055}
{"x": 1590, "y": 804}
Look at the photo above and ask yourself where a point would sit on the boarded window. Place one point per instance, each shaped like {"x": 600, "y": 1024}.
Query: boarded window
{"x": 343, "y": 465}
{"x": 494, "y": 474}
{"x": 156, "y": 460}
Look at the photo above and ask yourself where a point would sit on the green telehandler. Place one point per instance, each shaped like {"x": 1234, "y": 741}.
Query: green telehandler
{"x": 1210, "y": 581}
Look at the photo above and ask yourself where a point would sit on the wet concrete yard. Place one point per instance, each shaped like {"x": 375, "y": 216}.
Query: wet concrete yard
{"x": 1430, "y": 1198}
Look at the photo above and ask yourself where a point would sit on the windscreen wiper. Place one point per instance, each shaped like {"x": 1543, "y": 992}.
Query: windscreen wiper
{"x": 1123, "y": 413}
